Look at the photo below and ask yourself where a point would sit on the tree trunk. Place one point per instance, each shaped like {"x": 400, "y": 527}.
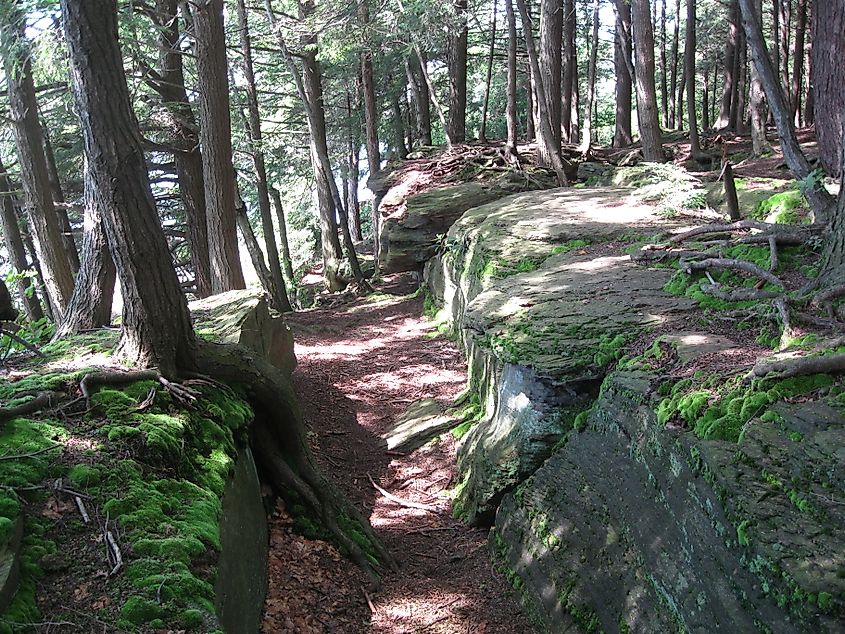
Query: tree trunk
{"x": 43, "y": 220}
{"x": 689, "y": 64}
{"x": 798, "y": 61}
{"x": 574, "y": 120}
{"x": 738, "y": 116}
{"x": 279, "y": 293}
{"x": 398, "y": 125}
{"x": 29, "y": 245}
{"x": 287, "y": 263}
{"x": 820, "y": 201}
{"x": 674, "y": 115}
{"x": 679, "y": 98}
{"x": 551, "y": 32}
{"x": 169, "y": 83}
{"x": 157, "y": 327}
{"x": 91, "y": 304}
{"x": 15, "y": 248}
{"x": 705, "y": 102}
{"x": 59, "y": 200}
{"x": 730, "y": 77}
{"x": 511, "y": 152}
{"x": 482, "y": 132}
{"x": 530, "y": 126}
{"x": 828, "y": 79}
{"x": 664, "y": 78}
{"x": 354, "y": 173}
{"x": 587, "y": 138}
{"x": 570, "y": 69}
{"x": 808, "y": 117}
{"x": 646, "y": 94}
{"x": 783, "y": 42}
{"x": 216, "y": 141}
{"x": 458, "y": 76}
{"x": 546, "y": 136}
{"x": 419, "y": 90}
{"x": 623, "y": 64}
{"x": 759, "y": 116}
{"x": 371, "y": 115}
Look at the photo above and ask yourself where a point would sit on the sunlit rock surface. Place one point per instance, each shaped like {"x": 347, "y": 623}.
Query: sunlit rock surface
{"x": 243, "y": 317}
{"x": 606, "y": 519}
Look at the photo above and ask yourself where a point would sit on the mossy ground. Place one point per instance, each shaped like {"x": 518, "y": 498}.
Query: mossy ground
{"x": 154, "y": 477}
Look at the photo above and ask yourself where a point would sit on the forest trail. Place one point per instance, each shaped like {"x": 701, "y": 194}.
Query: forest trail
{"x": 362, "y": 362}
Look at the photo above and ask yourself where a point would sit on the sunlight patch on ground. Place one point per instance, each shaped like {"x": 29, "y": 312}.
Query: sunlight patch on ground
{"x": 429, "y": 612}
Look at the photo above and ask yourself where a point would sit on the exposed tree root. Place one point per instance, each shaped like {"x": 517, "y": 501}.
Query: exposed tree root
{"x": 280, "y": 446}
{"x": 787, "y": 368}
{"x": 181, "y": 392}
{"x": 727, "y": 228}
{"x": 41, "y": 401}
{"x": 657, "y": 253}
{"x": 10, "y": 329}
{"x": 738, "y": 294}
{"x": 773, "y": 250}
{"x": 732, "y": 264}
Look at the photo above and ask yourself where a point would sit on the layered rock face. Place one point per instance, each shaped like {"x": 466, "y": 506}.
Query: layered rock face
{"x": 608, "y": 514}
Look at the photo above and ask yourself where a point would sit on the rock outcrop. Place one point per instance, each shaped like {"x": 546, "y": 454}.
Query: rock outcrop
{"x": 413, "y": 222}
{"x": 243, "y": 317}
{"x": 606, "y": 517}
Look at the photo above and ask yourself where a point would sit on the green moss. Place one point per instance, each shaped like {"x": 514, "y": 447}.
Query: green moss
{"x": 139, "y": 611}
{"x": 572, "y": 245}
{"x": 782, "y": 208}
{"x": 742, "y": 533}
{"x": 83, "y": 475}
{"x": 609, "y": 349}
{"x": 825, "y": 601}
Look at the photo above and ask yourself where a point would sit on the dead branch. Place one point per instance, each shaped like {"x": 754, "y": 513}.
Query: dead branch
{"x": 400, "y": 501}
{"x": 82, "y": 510}
{"x": 115, "y": 556}
{"x": 647, "y": 255}
{"x": 32, "y": 454}
{"x": 732, "y": 264}
{"x": 10, "y": 329}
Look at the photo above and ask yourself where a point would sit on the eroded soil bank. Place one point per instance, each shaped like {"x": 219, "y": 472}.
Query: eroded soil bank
{"x": 361, "y": 363}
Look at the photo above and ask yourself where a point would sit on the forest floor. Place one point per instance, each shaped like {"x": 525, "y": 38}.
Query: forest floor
{"x": 362, "y": 362}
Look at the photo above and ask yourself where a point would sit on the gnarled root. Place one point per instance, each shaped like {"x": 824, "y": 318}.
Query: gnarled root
{"x": 281, "y": 448}
{"x": 41, "y": 401}
{"x": 732, "y": 264}
{"x": 180, "y": 392}
{"x": 787, "y": 368}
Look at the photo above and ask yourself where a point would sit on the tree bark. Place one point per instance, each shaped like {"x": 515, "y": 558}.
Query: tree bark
{"x": 419, "y": 90}
{"x": 646, "y": 93}
{"x": 623, "y": 64}
{"x": 587, "y": 135}
{"x": 482, "y": 132}
{"x": 353, "y": 145}
{"x": 551, "y": 34}
{"x": 157, "y": 327}
{"x": 59, "y": 200}
{"x": 216, "y": 142}
{"x": 400, "y": 151}
{"x": 689, "y": 64}
{"x": 546, "y": 136}
{"x": 279, "y": 292}
{"x": 570, "y": 70}
{"x": 798, "y": 61}
{"x": 783, "y": 42}
{"x": 458, "y": 39}
{"x": 15, "y": 249}
{"x": 820, "y": 201}
{"x": 287, "y": 262}
{"x": 29, "y": 245}
{"x": 664, "y": 78}
{"x": 759, "y": 116}
{"x": 674, "y": 115}
{"x": 91, "y": 304}
{"x": 705, "y": 102}
{"x": 371, "y": 115}
{"x": 169, "y": 83}
{"x": 828, "y": 79}
{"x": 41, "y": 212}
{"x": 730, "y": 77}
{"x": 511, "y": 151}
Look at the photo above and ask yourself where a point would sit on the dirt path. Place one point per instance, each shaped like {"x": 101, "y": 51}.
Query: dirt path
{"x": 360, "y": 365}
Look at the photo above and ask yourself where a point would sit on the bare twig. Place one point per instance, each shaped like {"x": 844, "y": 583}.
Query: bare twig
{"x": 32, "y": 454}
{"x": 116, "y": 557}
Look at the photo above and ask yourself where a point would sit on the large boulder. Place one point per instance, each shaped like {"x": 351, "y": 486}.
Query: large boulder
{"x": 243, "y": 317}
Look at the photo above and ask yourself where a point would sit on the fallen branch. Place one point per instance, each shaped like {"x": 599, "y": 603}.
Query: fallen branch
{"x": 732, "y": 264}
{"x": 800, "y": 366}
{"x": 773, "y": 254}
{"x": 10, "y": 329}
{"x": 400, "y": 501}
{"x": 82, "y": 510}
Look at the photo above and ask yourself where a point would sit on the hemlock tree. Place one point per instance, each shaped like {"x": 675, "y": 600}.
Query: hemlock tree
{"x": 647, "y": 113}
{"x": 157, "y": 329}
{"x": 216, "y": 142}
{"x": 623, "y": 65}
{"x": 38, "y": 197}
